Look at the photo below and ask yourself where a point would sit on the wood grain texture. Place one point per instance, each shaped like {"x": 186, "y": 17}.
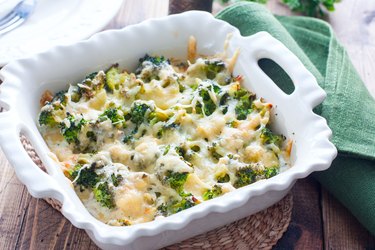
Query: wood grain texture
{"x": 305, "y": 230}
{"x": 340, "y": 233}
{"x": 14, "y": 203}
{"x": 318, "y": 220}
{"x": 45, "y": 228}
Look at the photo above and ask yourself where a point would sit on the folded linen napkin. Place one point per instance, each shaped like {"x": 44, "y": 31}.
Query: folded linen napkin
{"x": 348, "y": 108}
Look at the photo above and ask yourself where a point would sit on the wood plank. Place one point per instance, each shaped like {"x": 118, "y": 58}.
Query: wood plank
{"x": 305, "y": 230}
{"x": 14, "y": 203}
{"x": 342, "y": 230}
{"x": 46, "y": 228}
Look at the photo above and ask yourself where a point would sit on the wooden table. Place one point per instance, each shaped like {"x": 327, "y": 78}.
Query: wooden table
{"x": 318, "y": 220}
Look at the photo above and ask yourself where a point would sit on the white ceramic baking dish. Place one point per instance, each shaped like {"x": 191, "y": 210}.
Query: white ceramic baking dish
{"x": 25, "y": 80}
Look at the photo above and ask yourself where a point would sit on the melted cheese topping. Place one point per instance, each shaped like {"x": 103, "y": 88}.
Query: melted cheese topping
{"x": 138, "y": 146}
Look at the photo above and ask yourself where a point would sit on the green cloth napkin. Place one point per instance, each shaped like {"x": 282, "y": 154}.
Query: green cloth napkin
{"x": 348, "y": 108}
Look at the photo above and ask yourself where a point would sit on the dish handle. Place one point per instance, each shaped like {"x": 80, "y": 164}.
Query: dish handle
{"x": 39, "y": 183}
{"x": 263, "y": 45}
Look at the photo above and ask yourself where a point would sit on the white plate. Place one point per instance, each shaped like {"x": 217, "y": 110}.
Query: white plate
{"x": 56, "y": 22}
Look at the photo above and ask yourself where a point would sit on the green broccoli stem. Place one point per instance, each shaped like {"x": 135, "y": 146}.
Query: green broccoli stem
{"x": 104, "y": 195}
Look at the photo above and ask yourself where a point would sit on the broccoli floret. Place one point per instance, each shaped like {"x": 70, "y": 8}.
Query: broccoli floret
{"x": 244, "y": 104}
{"x": 268, "y": 137}
{"x": 224, "y": 109}
{"x": 183, "y": 204}
{"x": 224, "y": 99}
{"x": 163, "y": 209}
{"x": 198, "y": 108}
{"x": 208, "y": 105}
{"x": 245, "y": 176}
{"x": 89, "y": 138}
{"x": 104, "y": 195}
{"x": 212, "y": 67}
{"x": 61, "y": 97}
{"x": 155, "y": 60}
{"x": 216, "y": 88}
{"x": 224, "y": 178}
{"x": 176, "y": 206}
{"x": 165, "y": 128}
{"x": 153, "y": 65}
{"x": 46, "y": 117}
{"x": 90, "y": 85}
{"x": 130, "y": 138}
{"x": 270, "y": 172}
{"x": 113, "y": 114}
{"x": 138, "y": 113}
{"x": 223, "y": 103}
{"x": 212, "y": 193}
{"x": 176, "y": 180}
{"x": 72, "y": 131}
{"x": 116, "y": 179}
{"x": 114, "y": 78}
{"x": 240, "y": 93}
{"x": 87, "y": 177}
